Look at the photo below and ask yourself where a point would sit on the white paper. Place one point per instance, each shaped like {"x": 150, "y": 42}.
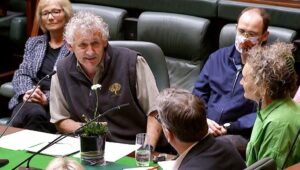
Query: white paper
{"x": 24, "y": 139}
{"x": 115, "y": 151}
{"x": 167, "y": 165}
{"x": 67, "y": 146}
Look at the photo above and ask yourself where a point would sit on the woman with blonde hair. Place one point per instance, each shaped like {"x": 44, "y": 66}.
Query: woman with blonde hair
{"x": 40, "y": 57}
{"x": 61, "y": 163}
{"x": 269, "y": 78}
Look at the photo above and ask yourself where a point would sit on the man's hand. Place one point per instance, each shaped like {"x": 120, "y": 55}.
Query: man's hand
{"x": 37, "y": 96}
{"x": 215, "y": 129}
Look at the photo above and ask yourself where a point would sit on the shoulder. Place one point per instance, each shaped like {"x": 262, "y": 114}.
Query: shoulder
{"x": 223, "y": 52}
{"x": 33, "y": 41}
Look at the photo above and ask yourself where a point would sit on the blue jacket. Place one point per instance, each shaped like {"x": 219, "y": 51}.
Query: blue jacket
{"x": 218, "y": 85}
{"x": 34, "y": 53}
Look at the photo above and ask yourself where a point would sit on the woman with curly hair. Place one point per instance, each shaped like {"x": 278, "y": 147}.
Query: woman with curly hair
{"x": 269, "y": 78}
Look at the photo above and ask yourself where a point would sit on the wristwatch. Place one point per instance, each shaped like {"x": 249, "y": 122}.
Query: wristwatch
{"x": 226, "y": 125}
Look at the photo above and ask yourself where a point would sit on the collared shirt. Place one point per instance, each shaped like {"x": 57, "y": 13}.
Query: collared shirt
{"x": 145, "y": 87}
{"x": 181, "y": 157}
{"x": 273, "y": 133}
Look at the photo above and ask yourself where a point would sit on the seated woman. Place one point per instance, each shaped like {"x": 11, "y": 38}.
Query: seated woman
{"x": 269, "y": 78}
{"x": 40, "y": 57}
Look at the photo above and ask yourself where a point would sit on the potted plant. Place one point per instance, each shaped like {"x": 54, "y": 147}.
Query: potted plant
{"x": 93, "y": 137}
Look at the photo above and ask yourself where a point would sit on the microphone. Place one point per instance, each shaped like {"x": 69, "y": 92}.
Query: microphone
{"x": 17, "y": 113}
{"x": 62, "y": 136}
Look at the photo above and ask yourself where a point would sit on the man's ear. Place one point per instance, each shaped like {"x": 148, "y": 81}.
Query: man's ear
{"x": 169, "y": 134}
{"x": 265, "y": 37}
{"x": 105, "y": 42}
{"x": 70, "y": 48}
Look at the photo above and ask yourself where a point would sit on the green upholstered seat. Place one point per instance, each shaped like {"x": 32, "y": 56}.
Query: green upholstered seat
{"x": 201, "y": 8}
{"x": 184, "y": 41}
{"x": 286, "y": 17}
{"x": 114, "y": 17}
{"x": 154, "y": 57}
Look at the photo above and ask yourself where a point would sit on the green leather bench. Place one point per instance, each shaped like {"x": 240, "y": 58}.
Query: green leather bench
{"x": 184, "y": 41}
{"x": 114, "y": 17}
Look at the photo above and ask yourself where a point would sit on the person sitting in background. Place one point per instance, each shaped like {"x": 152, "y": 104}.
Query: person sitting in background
{"x": 183, "y": 119}
{"x": 218, "y": 85}
{"x": 61, "y": 163}
{"x": 40, "y": 57}
{"x": 269, "y": 78}
{"x": 124, "y": 75}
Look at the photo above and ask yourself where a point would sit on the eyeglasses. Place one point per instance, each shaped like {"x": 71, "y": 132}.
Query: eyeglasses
{"x": 246, "y": 33}
{"x": 53, "y": 12}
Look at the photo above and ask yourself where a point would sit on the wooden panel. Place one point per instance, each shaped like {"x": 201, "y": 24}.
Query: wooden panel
{"x": 32, "y": 25}
{"x": 286, "y": 3}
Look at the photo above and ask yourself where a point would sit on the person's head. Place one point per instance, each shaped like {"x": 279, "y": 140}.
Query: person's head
{"x": 52, "y": 15}
{"x": 61, "y": 163}
{"x": 251, "y": 29}
{"x": 182, "y": 115}
{"x": 269, "y": 72}
{"x": 87, "y": 35}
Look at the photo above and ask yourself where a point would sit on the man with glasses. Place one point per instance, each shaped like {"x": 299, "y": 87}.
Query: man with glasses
{"x": 183, "y": 119}
{"x": 228, "y": 111}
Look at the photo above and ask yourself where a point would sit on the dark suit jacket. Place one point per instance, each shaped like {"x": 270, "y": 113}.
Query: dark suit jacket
{"x": 212, "y": 154}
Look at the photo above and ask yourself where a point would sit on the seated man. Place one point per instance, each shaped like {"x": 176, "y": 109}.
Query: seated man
{"x": 124, "y": 75}
{"x": 183, "y": 119}
{"x": 218, "y": 81}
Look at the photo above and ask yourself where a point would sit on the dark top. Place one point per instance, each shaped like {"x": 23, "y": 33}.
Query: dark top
{"x": 212, "y": 154}
{"x": 47, "y": 66}
{"x": 219, "y": 87}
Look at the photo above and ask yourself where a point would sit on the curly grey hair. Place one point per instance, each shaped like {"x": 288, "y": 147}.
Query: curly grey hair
{"x": 273, "y": 69}
{"x": 85, "y": 21}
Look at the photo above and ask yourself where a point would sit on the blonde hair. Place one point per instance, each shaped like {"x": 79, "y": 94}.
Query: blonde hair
{"x": 61, "y": 163}
{"x": 64, "y": 4}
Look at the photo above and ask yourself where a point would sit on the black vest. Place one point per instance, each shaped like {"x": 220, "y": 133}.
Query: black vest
{"x": 118, "y": 87}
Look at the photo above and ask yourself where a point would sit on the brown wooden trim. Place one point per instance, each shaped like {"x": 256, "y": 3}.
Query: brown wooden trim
{"x": 10, "y": 130}
{"x": 285, "y": 3}
{"x": 32, "y": 25}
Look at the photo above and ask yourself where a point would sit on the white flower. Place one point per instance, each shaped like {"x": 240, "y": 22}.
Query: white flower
{"x": 96, "y": 86}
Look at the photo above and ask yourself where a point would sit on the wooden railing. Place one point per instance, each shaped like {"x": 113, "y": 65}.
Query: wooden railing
{"x": 286, "y": 3}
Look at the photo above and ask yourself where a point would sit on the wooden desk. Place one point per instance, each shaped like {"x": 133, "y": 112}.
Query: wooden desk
{"x": 9, "y": 130}
{"x": 294, "y": 167}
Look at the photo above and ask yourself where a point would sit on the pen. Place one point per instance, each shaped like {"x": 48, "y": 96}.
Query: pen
{"x": 154, "y": 167}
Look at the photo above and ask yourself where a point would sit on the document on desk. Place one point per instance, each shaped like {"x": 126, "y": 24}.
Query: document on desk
{"x": 24, "y": 139}
{"x": 65, "y": 147}
{"x": 115, "y": 151}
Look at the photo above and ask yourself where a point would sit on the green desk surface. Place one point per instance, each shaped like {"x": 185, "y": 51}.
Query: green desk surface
{"x": 41, "y": 161}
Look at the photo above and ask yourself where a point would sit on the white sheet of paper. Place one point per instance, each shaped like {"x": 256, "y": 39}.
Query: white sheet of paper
{"x": 24, "y": 139}
{"x": 167, "y": 165}
{"x": 67, "y": 146}
{"x": 115, "y": 151}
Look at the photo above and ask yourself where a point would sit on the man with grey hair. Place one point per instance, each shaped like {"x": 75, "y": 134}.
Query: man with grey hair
{"x": 183, "y": 119}
{"x": 124, "y": 75}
